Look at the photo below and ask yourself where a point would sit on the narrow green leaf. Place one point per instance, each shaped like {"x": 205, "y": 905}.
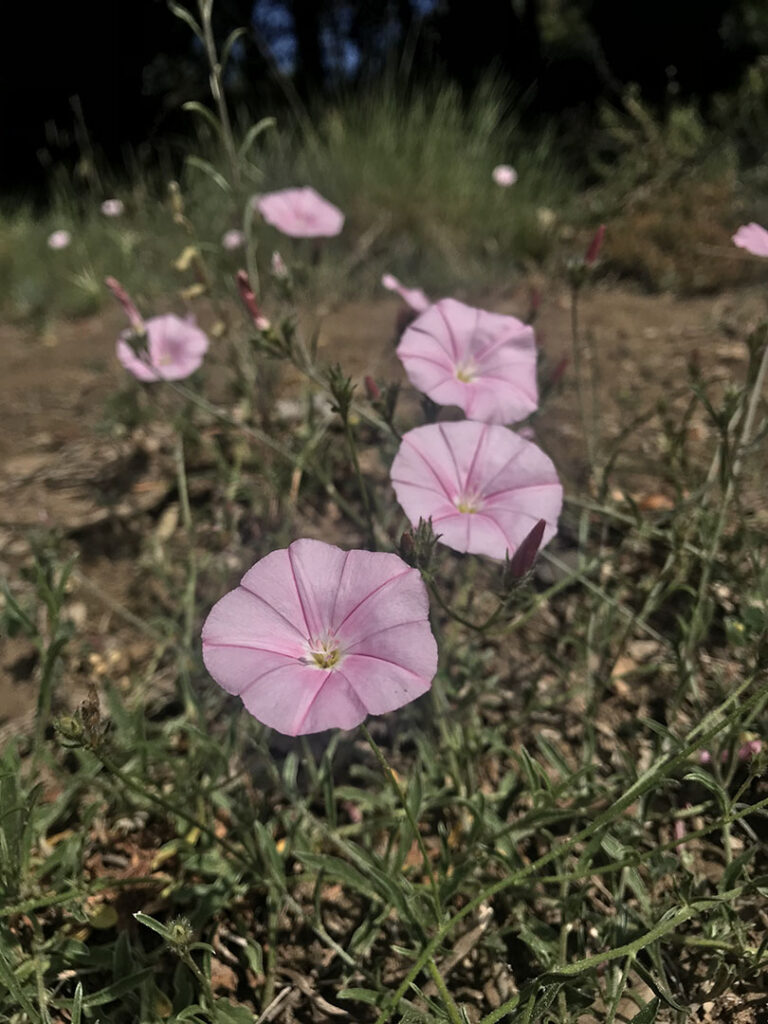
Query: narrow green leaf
{"x": 77, "y": 1004}
{"x": 229, "y": 42}
{"x": 150, "y": 922}
{"x": 361, "y": 995}
{"x": 254, "y": 132}
{"x": 648, "y": 1013}
{"x": 185, "y": 16}
{"x": 210, "y": 171}
{"x": 193, "y": 107}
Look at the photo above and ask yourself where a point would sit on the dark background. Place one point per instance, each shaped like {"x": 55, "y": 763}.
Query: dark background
{"x": 113, "y": 73}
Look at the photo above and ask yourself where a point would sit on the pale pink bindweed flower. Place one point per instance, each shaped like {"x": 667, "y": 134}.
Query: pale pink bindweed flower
{"x": 170, "y": 349}
{"x": 112, "y": 208}
{"x": 753, "y": 238}
{"x": 300, "y": 213}
{"x": 483, "y": 362}
{"x": 413, "y": 297}
{"x": 232, "y": 239}
{"x": 59, "y": 239}
{"x": 483, "y": 486}
{"x": 317, "y": 638}
{"x": 504, "y": 175}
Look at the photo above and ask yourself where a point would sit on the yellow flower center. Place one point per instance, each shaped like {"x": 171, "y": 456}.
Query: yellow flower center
{"x": 325, "y": 653}
{"x": 466, "y": 372}
{"x": 469, "y": 503}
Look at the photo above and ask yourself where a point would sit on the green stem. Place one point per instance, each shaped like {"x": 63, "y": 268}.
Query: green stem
{"x": 364, "y": 495}
{"x": 188, "y": 600}
{"x": 402, "y": 799}
{"x": 217, "y": 90}
{"x": 445, "y": 995}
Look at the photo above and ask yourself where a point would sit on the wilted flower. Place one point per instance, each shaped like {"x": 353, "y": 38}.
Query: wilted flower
{"x": 170, "y": 349}
{"x": 232, "y": 239}
{"x": 753, "y": 238}
{"x": 414, "y": 297}
{"x": 300, "y": 213}
{"x": 483, "y": 362}
{"x": 113, "y": 208}
{"x": 483, "y": 486}
{"x": 504, "y": 175}
{"x": 59, "y": 239}
{"x": 317, "y": 638}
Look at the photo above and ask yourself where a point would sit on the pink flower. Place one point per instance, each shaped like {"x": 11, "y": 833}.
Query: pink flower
{"x": 317, "y": 638}
{"x": 753, "y": 238}
{"x": 504, "y": 175}
{"x": 300, "y": 213}
{"x": 59, "y": 239}
{"x": 483, "y": 362}
{"x": 172, "y": 349}
{"x": 414, "y": 297}
{"x": 483, "y": 486}
{"x": 112, "y": 208}
{"x": 232, "y": 239}
{"x": 595, "y": 246}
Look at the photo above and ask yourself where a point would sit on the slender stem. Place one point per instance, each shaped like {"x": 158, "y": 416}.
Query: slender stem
{"x": 364, "y": 495}
{"x": 276, "y": 446}
{"x": 203, "y": 981}
{"x": 191, "y": 584}
{"x": 580, "y": 383}
{"x": 217, "y": 90}
{"x": 696, "y": 624}
{"x": 445, "y": 995}
{"x": 397, "y": 790}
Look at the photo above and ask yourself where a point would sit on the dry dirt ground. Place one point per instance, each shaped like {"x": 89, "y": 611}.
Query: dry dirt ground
{"x": 56, "y": 464}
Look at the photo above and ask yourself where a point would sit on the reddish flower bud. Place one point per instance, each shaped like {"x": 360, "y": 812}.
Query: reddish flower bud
{"x": 522, "y": 561}
{"x": 372, "y": 389}
{"x": 129, "y": 306}
{"x": 247, "y": 296}
{"x": 558, "y": 373}
{"x": 595, "y": 246}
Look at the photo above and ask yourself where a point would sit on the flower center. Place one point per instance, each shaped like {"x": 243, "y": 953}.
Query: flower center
{"x": 468, "y": 503}
{"x": 466, "y": 372}
{"x": 325, "y": 653}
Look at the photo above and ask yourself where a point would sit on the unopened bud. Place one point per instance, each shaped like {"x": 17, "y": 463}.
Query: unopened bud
{"x": 248, "y": 297}
{"x": 372, "y": 389}
{"x": 129, "y": 306}
{"x": 522, "y": 560}
{"x": 595, "y": 246}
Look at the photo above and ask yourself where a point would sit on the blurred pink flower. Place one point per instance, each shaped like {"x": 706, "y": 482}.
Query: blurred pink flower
{"x": 112, "y": 208}
{"x": 483, "y": 486}
{"x": 504, "y": 175}
{"x": 753, "y": 238}
{"x": 232, "y": 239}
{"x": 300, "y": 213}
{"x": 59, "y": 239}
{"x": 414, "y": 297}
{"x": 317, "y": 638}
{"x": 172, "y": 349}
{"x": 483, "y": 362}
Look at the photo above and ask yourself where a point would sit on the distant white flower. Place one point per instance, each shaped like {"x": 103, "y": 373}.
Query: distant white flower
{"x": 59, "y": 239}
{"x": 232, "y": 239}
{"x": 504, "y": 175}
{"x": 113, "y": 208}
